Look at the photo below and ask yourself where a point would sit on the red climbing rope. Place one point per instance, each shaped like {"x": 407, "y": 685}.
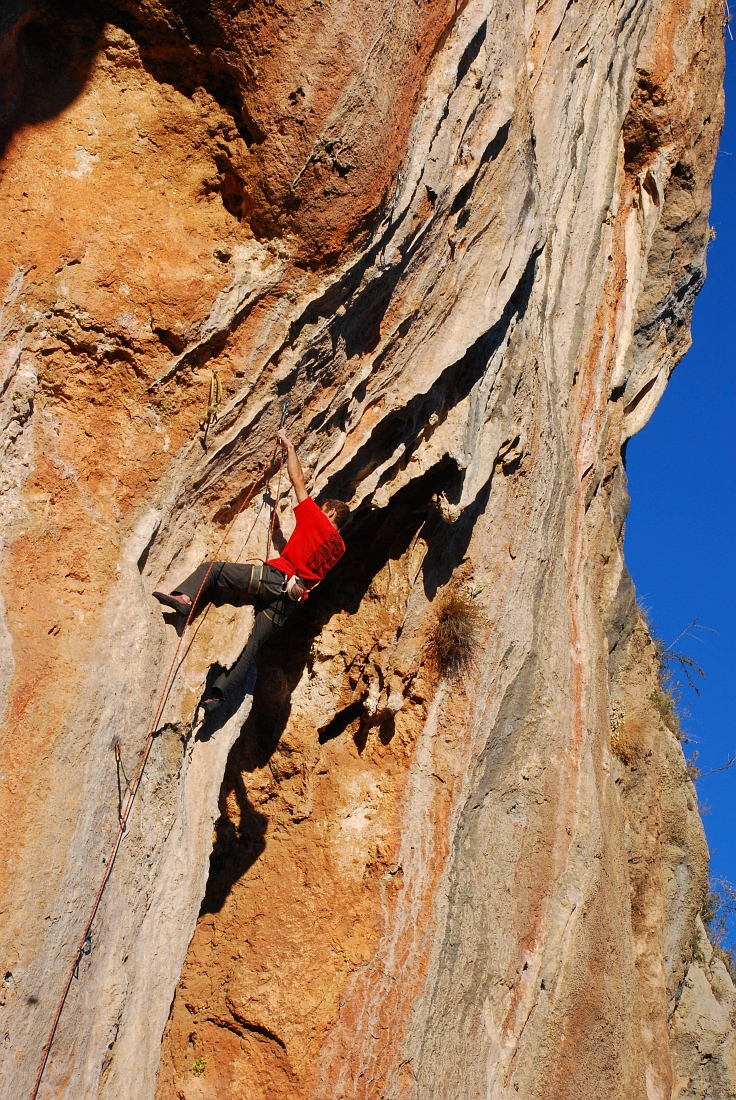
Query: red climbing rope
{"x": 83, "y": 948}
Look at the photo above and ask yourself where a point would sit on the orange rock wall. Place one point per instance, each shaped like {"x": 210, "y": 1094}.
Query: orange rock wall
{"x": 465, "y": 239}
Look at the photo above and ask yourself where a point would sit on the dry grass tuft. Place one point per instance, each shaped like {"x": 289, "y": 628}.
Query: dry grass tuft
{"x": 627, "y": 737}
{"x": 454, "y": 636}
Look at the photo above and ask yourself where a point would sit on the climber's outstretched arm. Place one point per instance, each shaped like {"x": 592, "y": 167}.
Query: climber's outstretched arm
{"x": 294, "y": 468}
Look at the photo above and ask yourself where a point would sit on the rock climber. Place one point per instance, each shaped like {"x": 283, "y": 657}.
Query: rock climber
{"x": 274, "y": 587}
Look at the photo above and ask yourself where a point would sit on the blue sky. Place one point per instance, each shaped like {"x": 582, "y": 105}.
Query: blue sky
{"x": 680, "y": 541}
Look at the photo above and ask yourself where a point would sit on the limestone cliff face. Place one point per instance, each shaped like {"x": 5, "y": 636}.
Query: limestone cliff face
{"x": 465, "y": 238}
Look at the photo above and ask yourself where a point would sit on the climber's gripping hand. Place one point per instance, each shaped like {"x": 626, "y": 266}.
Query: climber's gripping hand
{"x": 293, "y": 467}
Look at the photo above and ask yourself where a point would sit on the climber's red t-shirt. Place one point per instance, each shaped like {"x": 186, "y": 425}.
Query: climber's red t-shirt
{"x": 314, "y": 547}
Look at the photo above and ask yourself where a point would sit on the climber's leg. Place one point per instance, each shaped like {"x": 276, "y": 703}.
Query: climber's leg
{"x": 268, "y": 621}
{"x": 230, "y": 581}
{"x": 181, "y": 604}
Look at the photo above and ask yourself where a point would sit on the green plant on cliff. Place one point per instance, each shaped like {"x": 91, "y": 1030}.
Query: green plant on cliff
{"x": 454, "y": 635}
{"x": 198, "y": 1067}
{"x": 672, "y": 666}
{"x": 666, "y": 703}
{"x": 719, "y": 907}
{"x": 668, "y": 695}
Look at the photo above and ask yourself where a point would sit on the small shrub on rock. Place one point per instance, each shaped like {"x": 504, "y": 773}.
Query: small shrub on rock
{"x": 627, "y": 737}
{"x": 454, "y": 636}
{"x": 719, "y": 908}
{"x": 666, "y": 703}
{"x": 198, "y": 1067}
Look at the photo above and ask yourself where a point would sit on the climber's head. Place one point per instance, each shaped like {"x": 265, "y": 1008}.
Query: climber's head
{"x": 337, "y": 513}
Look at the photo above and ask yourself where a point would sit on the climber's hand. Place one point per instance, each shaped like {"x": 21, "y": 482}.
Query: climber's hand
{"x": 293, "y": 467}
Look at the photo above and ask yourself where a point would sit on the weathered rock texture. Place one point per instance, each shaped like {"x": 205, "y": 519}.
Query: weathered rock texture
{"x": 465, "y": 238}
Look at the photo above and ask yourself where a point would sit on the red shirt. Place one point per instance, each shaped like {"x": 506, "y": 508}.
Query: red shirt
{"x": 314, "y": 547}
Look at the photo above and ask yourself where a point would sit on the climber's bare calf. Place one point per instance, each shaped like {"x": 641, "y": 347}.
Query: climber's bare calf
{"x": 274, "y": 588}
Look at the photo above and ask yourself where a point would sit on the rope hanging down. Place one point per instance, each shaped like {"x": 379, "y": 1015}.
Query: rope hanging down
{"x": 85, "y": 942}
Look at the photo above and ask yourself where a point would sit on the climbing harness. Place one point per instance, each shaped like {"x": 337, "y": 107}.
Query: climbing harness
{"x": 126, "y": 805}
{"x": 210, "y": 413}
{"x": 296, "y": 588}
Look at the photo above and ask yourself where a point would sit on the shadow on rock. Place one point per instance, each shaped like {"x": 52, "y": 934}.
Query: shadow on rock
{"x": 236, "y": 847}
{"x": 374, "y": 538}
{"x": 235, "y": 850}
{"x": 229, "y": 706}
{"x": 46, "y": 54}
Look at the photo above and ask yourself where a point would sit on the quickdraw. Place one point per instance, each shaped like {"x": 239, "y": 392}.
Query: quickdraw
{"x": 210, "y": 413}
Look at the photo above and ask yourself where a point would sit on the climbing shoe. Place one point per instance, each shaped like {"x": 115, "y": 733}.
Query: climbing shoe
{"x": 175, "y": 603}
{"x": 211, "y": 704}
